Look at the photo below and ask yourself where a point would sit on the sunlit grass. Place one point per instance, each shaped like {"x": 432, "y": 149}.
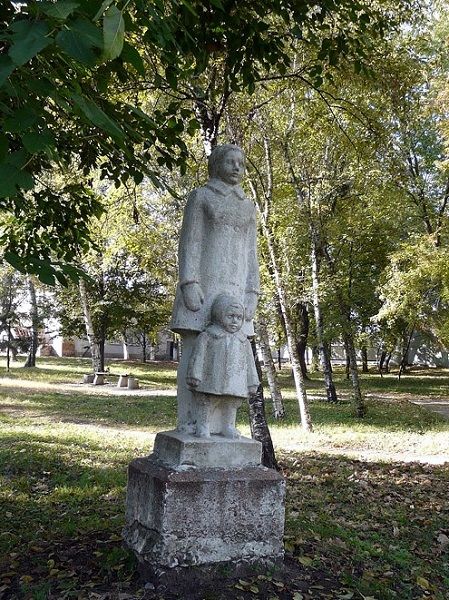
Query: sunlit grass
{"x": 65, "y": 448}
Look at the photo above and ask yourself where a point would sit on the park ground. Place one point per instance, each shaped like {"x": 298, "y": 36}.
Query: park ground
{"x": 367, "y": 500}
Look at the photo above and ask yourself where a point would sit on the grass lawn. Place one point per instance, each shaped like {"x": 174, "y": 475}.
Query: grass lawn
{"x": 367, "y": 501}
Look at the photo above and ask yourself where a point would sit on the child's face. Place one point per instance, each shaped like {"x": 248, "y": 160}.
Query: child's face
{"x": 232, "y": 319}
{"x": 232, "y": 167}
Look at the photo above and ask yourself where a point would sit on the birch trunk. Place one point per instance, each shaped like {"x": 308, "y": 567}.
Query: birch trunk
{"x": 302, "y": 337}
{"x": 364, "y": 352}
{"x": 31, "y": 358}
{"x": 258, "y": 420}
{"x": 91, "y": 337}
{"x": 125, "y": 348}
{"x": 291, "y": 343}
{"x": 331, "y": 392}
{"x": 359, "y": 404}
{"x": 273, "y": 384}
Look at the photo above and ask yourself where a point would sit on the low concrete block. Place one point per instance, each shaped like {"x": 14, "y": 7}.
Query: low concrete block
{"x": 179, "y": 450}
{"x": 202, "y": 517}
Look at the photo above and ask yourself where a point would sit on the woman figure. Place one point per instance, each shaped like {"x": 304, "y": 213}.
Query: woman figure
{"x": 217, "y": 254}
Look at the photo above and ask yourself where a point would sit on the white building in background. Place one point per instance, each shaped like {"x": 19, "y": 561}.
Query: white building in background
{"x": 166, "y": 347}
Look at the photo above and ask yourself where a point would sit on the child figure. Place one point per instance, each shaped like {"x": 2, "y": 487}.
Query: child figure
{"x": 221, "y": 367}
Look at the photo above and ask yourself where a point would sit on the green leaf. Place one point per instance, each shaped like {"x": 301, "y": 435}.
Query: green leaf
{"x": 104, "y": 6}
{"x": 97, "y": 116}
{"x": 28, "y": 40}
{"x": 113, "y": 33}
{"x": 131, "y": 56}
{"x": 6, "y": 68}
{"x": 12, "y": 177}
{"x": 91, "y": 35}
{"x": 60, "y": 10}
{"x": 189, "y": 7}
{"x": 74, "y": 46}
{"x": 46, "y": 274}
{"x": 3, "y": 146}
{"x": 37, "y": 141}
{"x": 14, "y": 260}
{"x": 217, "y": 3}
{"x": 21, "y": 120}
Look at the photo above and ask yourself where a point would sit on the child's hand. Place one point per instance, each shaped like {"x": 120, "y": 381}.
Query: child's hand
{"x": 252, "y": 390}
{"x": 193, "y": 382}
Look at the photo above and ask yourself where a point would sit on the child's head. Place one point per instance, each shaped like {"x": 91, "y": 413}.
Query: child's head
{"x": 227, "y": 312}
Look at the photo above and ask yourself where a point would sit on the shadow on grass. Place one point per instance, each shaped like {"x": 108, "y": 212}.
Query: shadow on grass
{"x": 370, "y": 528}
{"x": 143, "y": 411}
{"x": 377, "y": 524}
{"x": 71, "y": 370}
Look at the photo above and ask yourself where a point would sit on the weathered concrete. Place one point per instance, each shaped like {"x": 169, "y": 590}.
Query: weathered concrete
{"x": 203, "y": 517}
{"x": 180, "y": 450}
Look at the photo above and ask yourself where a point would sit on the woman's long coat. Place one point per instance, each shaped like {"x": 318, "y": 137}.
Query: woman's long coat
{"x": 217, "y": 249}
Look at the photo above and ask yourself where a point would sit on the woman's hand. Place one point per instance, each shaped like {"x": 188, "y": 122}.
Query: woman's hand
{"x": 193, "y": 296}
{"x": 193, "y": 382}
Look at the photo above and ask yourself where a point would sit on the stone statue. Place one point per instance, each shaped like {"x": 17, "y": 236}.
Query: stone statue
{"x": 217, "y": 254}
{"x": 221, "y": 367}
{"x": 203, "y": 503}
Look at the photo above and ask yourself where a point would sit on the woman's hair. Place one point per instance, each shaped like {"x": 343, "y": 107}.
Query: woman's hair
{"x": 218, "y": 154}
{"x": 221, "y": 303}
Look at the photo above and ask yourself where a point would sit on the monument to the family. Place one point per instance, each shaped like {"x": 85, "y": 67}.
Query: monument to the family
{"x": 203, "y": 500}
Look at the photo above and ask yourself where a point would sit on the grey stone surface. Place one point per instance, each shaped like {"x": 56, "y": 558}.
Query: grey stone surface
{"x": 180, "y": 450}
{"x": 217, "y": 254}
{"x": 203, "y": 516}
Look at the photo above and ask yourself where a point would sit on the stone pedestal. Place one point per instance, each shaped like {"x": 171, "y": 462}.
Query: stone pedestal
{"x": 200, "y": 507}
{"x": 179, "y": 520}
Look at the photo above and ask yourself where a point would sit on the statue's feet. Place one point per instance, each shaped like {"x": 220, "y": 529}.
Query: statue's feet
{"x": 230, "y": 432}
{"x": 202, "y": 431}
{"x": 186, "y": 428}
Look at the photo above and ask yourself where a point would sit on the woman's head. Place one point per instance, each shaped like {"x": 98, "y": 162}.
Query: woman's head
{"x": 227, "y": 312}
{"x": 227, "y": 162}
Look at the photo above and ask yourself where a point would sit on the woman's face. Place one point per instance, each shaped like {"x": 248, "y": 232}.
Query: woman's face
{"x": 232, "y": 167}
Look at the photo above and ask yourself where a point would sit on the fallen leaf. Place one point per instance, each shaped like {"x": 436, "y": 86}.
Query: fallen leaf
{"x": 297, "y": 596}
{"x": 423, "y": 583}
{"x": 305, "y": 560}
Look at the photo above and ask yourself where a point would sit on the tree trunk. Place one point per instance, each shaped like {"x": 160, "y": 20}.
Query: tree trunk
{"x": 331, "y": 392}
{"x": 125, "y": 348}
{"x": 273, "y": 384}
{"x": 347, "y": 363}
{"x": 144, "y": 347}
{"x": 359, "y": 404}
{"x": 315, "y": 366}
{"x": 258, "y": 420}
{"x": 31, "y": 358}
{"x": 387, "y": 362}
{"x": 406, "y": 348}
{"x": 380, "y": 364}
{"x": 302, "y": 336}
{"x": 297, "y": 373}
{"x": 97, "y": 363}
{"x": 8, "y": 348}
{"x": 364, "y": 352}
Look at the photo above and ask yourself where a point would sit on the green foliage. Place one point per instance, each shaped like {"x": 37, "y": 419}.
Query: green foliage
{"x": 67, "y": 70}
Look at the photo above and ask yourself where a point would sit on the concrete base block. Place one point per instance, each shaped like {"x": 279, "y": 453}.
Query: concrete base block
{"x": 206, "y": 518}
{"x": 180, "y": 450}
